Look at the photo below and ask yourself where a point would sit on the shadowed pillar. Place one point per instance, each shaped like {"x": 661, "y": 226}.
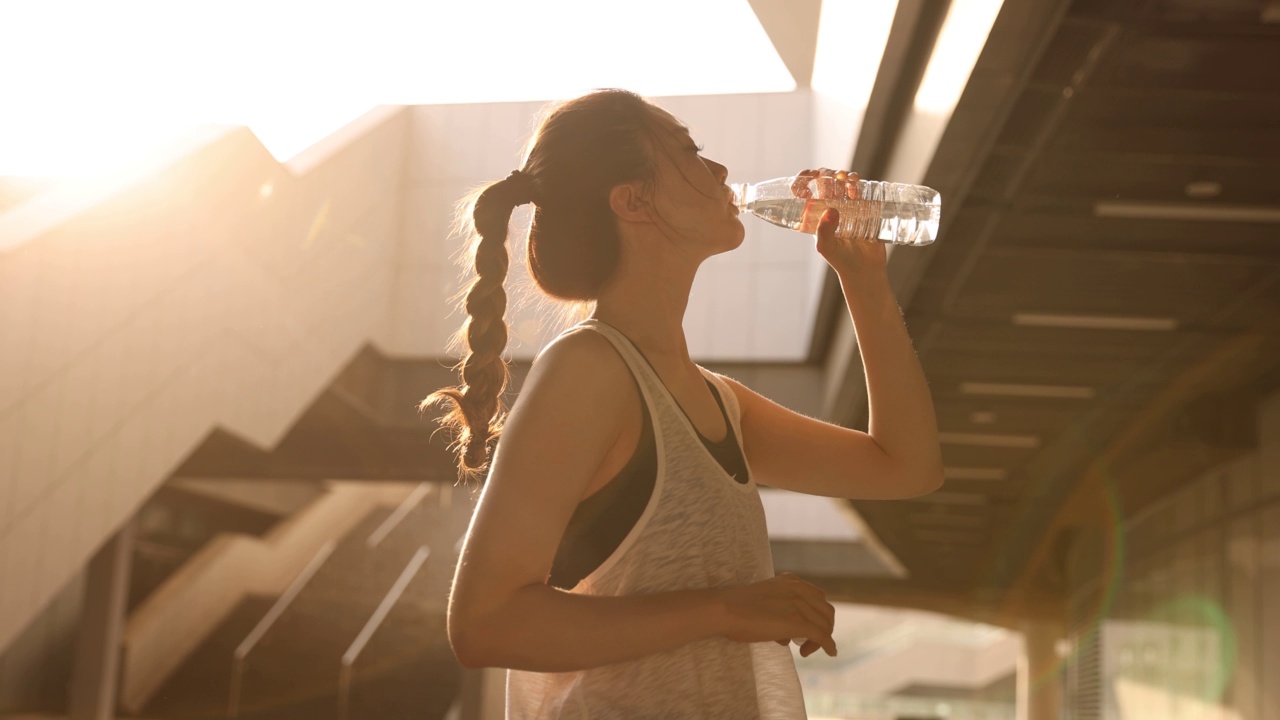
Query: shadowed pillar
{"x": 95, "y": 677}
{"x": 1039, "y": 673}
{"x": 483, "y": 695}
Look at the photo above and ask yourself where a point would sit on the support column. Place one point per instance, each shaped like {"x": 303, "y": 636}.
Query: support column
{"x": 483, "y": 694}
{"x": 95, "y": 676}
{"x": 1039, "y": 694}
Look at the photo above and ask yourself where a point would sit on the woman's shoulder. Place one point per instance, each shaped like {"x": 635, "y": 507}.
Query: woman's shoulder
{"x": 578, "y": 345}
{"x": 586, "y": 360}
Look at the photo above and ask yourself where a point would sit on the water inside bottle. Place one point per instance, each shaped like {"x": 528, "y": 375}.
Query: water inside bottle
{"x": 905, "y": 223}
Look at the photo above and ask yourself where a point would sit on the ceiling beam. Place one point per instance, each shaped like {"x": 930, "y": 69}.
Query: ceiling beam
{"x": 1018, "y": 39}
{"x": 1103, "y": 496}
{"x": 906, "y": 55}
{"x": 1045, "y": 255}
{"x": 1021, "y": 34}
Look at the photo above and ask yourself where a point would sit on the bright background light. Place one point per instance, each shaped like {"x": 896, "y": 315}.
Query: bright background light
{"x": 100, "y": 84}
{"x": 960, "y": 42}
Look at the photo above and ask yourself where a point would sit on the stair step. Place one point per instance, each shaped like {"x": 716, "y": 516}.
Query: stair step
{"x": 407, "y": 669}
{"x": 201, "y": 687}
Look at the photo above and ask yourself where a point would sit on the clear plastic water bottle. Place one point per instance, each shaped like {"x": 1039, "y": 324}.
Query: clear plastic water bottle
{"x": 891, "y": 212}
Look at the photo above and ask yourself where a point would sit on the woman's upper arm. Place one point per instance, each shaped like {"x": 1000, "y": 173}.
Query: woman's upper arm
{"x": 791, "y": 451}
{"x": 563, "y": 424}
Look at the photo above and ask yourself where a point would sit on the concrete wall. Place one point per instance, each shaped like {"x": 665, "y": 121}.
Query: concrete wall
{"x": 36, "y": 667}
{"x": 223, "y": 289}
{"x": 454, "y": 148}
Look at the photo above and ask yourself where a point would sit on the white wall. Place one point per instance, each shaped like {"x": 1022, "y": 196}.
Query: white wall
{"x": 754, "y": 303}
{"x": 189, "y": 300}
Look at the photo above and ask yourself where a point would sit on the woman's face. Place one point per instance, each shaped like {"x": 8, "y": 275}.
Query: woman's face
{"x": 690, "y": 197}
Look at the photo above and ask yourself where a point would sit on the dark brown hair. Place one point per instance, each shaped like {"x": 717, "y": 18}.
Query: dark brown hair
{"x": 581, "y": 150}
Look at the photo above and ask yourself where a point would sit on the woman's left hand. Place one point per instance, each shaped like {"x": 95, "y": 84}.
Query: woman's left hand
{"x": 843, "y": 255}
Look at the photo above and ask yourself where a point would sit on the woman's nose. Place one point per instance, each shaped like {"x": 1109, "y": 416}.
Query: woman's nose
{"x": 721, "y": 172}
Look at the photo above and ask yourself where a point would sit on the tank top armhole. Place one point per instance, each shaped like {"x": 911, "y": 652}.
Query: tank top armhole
{"x": 728, "y": 401}
{"x": 621, "y": 346}
{"x": 601, "y": 521}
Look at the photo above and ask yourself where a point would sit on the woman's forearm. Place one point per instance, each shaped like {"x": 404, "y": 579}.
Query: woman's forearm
{"x": 901, "y": 416}
{"x": 543, "y": 629}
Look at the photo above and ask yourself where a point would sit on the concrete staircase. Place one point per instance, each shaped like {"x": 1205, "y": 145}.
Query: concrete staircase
{"x": 214, "y": 288}
{"x": 405, "y": 670}
{"x": 201, "y": 686}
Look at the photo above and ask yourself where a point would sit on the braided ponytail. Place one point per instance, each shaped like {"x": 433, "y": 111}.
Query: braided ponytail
{"x": 582, "y": 148}
{"x": 477, "y": 411}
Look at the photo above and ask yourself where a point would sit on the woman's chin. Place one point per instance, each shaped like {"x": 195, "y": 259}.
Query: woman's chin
{"x": 730, "y": 245}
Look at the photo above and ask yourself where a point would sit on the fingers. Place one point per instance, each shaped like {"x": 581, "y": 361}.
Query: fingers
{"x": 850, "y": 180}
{"x": 826, "y": 184}
{"x": 827, "y": 224}
{"x": 804, "y": 613}
{"x": 818, "y": 614}
{"x": 820, "y": 630}
{"x": 800, "y": 186}
{"x": 815, "y": 598}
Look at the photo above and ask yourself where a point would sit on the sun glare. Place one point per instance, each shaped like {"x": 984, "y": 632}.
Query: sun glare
{"x": 960, "y": 41}
{"x": 104, "y": 83}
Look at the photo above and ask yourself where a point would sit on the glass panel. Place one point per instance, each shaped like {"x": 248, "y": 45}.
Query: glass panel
{"x": 1241, "y": 477}
{"x": 1267, "y": 469}
{"x": 1186, "y": 512}
{"x": 1212, "y": 491}
{"x": 1269, "y": 617}
{"x": 1169, "y": 645}
{"x": 1242, "y": 588}
{"x": 1194, "y": 629}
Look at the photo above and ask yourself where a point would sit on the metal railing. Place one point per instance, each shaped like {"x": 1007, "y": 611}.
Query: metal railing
{"x": 259, "y": 630}
{"x": 371, "y": 627}
{"x": 405, "y": 507}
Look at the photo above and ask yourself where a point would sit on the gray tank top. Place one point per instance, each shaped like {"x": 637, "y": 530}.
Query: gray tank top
{"x": 699, "y": 529}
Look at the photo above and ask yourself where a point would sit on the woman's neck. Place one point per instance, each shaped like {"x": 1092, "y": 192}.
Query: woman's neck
{"x": 649, "y": 312}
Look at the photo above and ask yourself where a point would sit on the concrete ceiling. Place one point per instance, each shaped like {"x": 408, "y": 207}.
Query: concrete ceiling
{"x": 1092, "y": 138}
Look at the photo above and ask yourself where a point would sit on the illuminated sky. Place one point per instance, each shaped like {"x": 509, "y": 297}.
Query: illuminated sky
{"x": 102, "y": 82}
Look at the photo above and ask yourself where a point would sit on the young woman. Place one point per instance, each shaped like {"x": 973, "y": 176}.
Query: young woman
{"x": 618, "y": 563}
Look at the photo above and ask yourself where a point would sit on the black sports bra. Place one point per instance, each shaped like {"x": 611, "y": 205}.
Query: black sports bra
{"x": 602, "y": 520}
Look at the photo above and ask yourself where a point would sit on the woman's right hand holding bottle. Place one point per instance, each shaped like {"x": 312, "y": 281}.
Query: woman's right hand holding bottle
{"x": 778, "y": 609}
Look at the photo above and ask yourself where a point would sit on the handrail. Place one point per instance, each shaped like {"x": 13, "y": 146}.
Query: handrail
{"x": 281, "y": 604}
{"x": 406, "y": 506}
{"x": 370, "y": 627}
{"x": 179, "y": 615}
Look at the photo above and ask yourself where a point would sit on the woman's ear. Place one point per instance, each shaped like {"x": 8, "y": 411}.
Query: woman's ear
{"x": 628, "y": 202}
